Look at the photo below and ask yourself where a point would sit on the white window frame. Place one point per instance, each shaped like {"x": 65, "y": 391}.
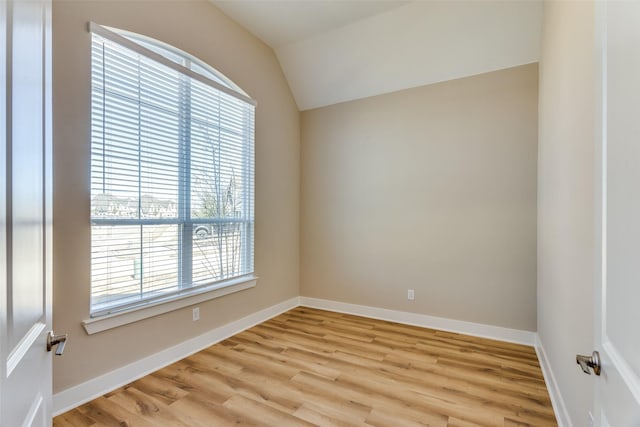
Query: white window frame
{"x": 185, "y": 294}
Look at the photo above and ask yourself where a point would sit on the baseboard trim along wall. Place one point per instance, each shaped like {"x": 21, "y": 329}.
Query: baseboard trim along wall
{"x": 89, "y": 390}
{"x": 468, "y": 328}
{"x": 559, "y": 407}
{"x": 82, "y": 393}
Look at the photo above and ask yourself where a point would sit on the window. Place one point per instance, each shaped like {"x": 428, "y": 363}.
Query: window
{"x": 172, "y": 174}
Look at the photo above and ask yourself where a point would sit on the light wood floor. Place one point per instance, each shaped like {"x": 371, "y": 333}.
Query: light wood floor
{"x": 312, "y": 367}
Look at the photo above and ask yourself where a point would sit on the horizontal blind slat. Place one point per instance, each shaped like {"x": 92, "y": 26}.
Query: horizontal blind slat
{"x": 157, "y": 132}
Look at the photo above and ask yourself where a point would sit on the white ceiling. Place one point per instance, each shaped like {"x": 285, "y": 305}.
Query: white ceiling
{"x": 333, "y": 51}
{"x": 281, "y": 22}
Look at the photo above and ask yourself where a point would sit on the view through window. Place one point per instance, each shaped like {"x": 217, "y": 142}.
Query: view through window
{"x": 172, "y": 174}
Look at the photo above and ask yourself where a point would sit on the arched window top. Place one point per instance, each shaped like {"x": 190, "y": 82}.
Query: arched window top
{"x": 172, "y": 176}
{"x": 171, "y": 57}
{"x": 180, "y": 57}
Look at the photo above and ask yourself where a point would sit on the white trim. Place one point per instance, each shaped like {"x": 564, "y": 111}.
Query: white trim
{"x": 82, "y": 393}
{"x": 200, "y": 294}
{"x": 626, "y": 372}
{"x": 36, "y": 407}
{"x": 468, "y": 328}
{"x": 25, "y": 344}
{"x": 559, "y": 407}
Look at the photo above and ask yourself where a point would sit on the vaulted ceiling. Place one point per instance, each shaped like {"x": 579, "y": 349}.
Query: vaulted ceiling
{"x": 333, "y": 51}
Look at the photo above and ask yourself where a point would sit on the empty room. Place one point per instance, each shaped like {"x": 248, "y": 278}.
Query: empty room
{"x": 319, "y": 213}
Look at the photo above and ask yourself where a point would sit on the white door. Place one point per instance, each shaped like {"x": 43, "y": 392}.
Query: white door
{"x": 25, "y": 212}
{"x": 617, "y": 397}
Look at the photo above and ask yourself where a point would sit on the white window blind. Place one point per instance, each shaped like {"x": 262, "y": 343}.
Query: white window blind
{"x": 172, "y": 175}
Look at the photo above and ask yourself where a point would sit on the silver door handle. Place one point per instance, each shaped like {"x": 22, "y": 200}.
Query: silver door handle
{"x": 587, "y": 362}
{"x": 58, "y": 340}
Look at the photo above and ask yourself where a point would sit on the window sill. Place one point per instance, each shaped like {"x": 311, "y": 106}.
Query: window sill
{"x": 103, "y": 323}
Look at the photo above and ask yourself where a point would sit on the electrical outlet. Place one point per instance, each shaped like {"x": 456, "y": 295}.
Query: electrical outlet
{"x": 196, "y": 314}
{"x": 411, "y": 295}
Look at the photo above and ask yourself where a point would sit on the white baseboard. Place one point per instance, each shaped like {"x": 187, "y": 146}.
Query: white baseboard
{"x": 560, "y": 409}
{"x": 89, "y": 390}
{"x": 468, "y": 328}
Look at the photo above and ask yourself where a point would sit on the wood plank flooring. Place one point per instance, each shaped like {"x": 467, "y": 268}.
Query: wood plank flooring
{"x": 310, "y": 367}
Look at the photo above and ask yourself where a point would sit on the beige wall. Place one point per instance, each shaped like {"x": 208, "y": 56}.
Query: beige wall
{"x": 566, "y": 197}
{"x": 200, "y": 29}
{"x": 433, "y": 189}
